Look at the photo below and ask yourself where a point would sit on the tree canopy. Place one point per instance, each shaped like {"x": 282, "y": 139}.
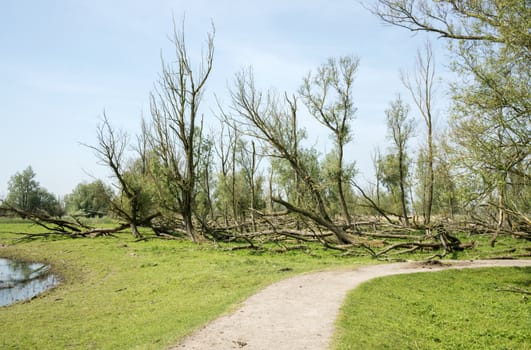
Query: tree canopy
{"x": 25, "y": 193}
{"x": 89, "y": 199}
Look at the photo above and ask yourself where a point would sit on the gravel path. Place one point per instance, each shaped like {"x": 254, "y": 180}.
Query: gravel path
{"x": 299, "y": 312}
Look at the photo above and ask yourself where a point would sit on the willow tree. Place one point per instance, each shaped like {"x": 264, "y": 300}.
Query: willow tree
{"x": 327, "y": 94}
{"x": 177, "y": 126}
{"x": 400, "y": 129}
{"x": 491, "y": 46}
{"x": 272, "y": 121}
{"x": 133, "y": 202}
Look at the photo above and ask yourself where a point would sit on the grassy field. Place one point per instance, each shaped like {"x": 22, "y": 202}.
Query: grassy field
{"x": 121, "y": 294}
{"x": 462, "y": 309}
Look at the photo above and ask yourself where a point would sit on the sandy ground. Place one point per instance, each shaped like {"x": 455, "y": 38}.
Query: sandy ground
{"x": 299, "y": 312}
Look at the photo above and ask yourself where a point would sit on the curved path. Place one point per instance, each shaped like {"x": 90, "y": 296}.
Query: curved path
{"x": 299, "y": 312}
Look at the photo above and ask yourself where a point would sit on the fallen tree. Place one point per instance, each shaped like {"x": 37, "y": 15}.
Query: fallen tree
{"x": 291, "y": 230}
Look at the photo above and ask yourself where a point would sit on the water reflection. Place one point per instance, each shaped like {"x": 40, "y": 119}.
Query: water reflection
{"x": 21, "y": 280}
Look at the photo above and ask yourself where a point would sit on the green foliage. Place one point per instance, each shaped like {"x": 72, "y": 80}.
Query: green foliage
{"x": 490, "y": 124}
{"x": 399, "y": 125}
{"x": 140, "y": 202}
{"x": 25, "y": 193}
{"x": 490, "y": 44}
{"x": 23, "y": 190}
{"x": 389, "y": 172}
{"x": 288, "y": 183}
{"x": 89, "y": 199}
{"x": 443, "y": 310}
{"x": 328, "y": 96}
{"x": 240, "y": 197}
{"x": 445, "y": 196}
{"x": 330, "y": 177}
{"x": 203, "y": 204}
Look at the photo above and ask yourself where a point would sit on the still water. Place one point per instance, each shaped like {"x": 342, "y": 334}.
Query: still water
{"x": 22, "y": 280}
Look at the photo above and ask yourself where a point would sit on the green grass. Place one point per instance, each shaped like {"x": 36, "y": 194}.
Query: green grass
{"x": 451, "y": 310}
{"x": 120, "y": 294}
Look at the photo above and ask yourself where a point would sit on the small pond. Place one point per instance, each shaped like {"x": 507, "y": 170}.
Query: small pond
{"x": 23, "y": 280}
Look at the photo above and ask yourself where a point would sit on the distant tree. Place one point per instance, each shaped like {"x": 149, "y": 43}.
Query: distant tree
{"x": 400, "y": 129}
{"x": 90, "y": 199}
{"x": 25, "y": 193}
{"x": 389, "y": 177}
{"x": 226, "y": 152}
{"x": 446, "y": 199}
{"x": 248, "y": 162}
{"x": 23, "y": 190}
{"x": 49, "y": 203}
{"x": 292, "y": 187}
{"x": 421, "y": 86}
{"x": 205, "y": 180}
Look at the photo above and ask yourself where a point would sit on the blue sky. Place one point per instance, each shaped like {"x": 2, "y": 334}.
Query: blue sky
{"x": 63, "y": 62}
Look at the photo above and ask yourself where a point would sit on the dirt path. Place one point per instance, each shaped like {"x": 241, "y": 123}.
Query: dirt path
{"x": 299, "y": 312}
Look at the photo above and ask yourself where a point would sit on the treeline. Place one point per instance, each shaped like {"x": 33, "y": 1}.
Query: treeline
{"x": 257, "y": 169}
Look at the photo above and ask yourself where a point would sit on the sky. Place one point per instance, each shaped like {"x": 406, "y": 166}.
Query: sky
{"x": 65, "y": 62}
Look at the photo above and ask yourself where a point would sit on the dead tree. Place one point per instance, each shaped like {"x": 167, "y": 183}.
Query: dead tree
{"x": 129, "y": 204}
{"x": 178, "y": 124}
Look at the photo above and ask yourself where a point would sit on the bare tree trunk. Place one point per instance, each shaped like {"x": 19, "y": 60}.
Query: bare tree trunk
{"x": 134, "y": 230}
{"x": 252, "y": 184}
{"x": 431, "y": 176}
{"x": 187, "y": 214}
{"x": 270, "y": 201}
{"x": 233, "y": 183}
{"x": 340, "y": 187}
{"x": 402, "y": 184}
{"x": 421, "y": 89}
{"x": 298, "y": 183}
